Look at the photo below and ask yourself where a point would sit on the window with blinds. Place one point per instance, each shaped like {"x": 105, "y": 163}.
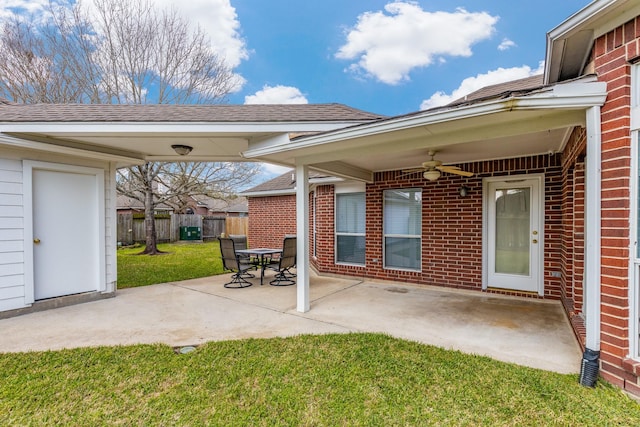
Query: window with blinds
{"x": 402, "y": 225}
{"x": 350, "y": 228}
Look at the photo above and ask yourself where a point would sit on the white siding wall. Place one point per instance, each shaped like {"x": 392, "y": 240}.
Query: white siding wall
{"x": 11, "y": 235}
{"x": 12, "y": 268}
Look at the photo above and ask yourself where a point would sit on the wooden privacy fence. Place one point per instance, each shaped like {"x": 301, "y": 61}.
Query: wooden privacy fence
{"x": 131, "y": 229}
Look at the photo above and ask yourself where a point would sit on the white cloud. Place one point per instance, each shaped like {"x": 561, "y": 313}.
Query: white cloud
{"x": 276, "y": 95}
{"x": 33, "y": 8}
{"x": 220, "y": 20}
{"x": 389, "y": 45}
{"x": 216, "y": 17}
{"x": 471, "y": 84}
{"x": 506, "y": 44}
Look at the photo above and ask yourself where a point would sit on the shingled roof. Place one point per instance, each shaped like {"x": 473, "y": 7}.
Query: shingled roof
{"x": 506, "y": 88}
{"x": 286, "y": 181}
{"x": 182, "y": 113}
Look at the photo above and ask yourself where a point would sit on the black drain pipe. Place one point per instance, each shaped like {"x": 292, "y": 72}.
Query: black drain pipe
{"x": 589, "y": 367}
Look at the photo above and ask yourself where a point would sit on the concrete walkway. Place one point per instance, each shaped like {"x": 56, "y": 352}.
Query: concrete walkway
{"x": 523, "y": 331}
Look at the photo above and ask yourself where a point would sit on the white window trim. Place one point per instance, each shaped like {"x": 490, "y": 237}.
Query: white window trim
{"x": 335, "y": 227}
{"x": 402, "y": 236}
{"x": 634, "y": 260}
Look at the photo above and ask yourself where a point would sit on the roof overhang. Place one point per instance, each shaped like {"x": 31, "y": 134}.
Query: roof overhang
{"x": 517, "y": 126}
{"x": 131, "y": 143}
{"x": 570, "y": 43}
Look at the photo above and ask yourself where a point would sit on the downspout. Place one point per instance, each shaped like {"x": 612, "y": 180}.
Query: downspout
{"x": 591, "y": 357}
{"x": 302, "y": 227}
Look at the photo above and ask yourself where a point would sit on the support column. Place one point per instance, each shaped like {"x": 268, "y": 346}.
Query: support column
{"x": 302, "y": 224}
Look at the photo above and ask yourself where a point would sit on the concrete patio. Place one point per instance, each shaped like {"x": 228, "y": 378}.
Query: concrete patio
{"x": 522, "y": 331}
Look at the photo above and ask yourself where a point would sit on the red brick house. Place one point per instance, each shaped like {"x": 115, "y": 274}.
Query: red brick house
{"x": 551, "y": 209}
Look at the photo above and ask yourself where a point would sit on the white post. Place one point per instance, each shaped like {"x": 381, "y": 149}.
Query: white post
{"x": 593, "y": 229}
{"x": 302, "y": 223}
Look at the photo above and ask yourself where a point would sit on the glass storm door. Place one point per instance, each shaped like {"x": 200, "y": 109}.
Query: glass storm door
{"x": 514, "y": 235}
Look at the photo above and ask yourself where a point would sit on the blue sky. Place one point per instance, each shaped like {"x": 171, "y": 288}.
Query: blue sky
{"x": 297, "y": 44}
{"x": 387, "y": 57}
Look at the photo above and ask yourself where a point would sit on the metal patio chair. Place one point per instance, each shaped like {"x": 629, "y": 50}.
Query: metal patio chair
{"x": 240, "y": 242}
{"x": 285, "y": 263}
{"x": 231, "y": 261}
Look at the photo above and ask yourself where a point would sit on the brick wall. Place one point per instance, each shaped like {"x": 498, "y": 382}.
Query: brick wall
{"x": 572, "y": 248}
{"x": 270, "y": 218}
{"x": 612, "y": 54}
{"x": 451, "y": 225}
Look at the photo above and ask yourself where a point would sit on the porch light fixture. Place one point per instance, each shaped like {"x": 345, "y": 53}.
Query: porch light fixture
{"x": 182, "y": 150}
{"x": 463, "y": 191}
{"x": 431, "y": 175}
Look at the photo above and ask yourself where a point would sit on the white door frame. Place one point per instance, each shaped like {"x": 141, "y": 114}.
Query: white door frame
{"x": 485, "y": 221}
{"x": 28, "y": 168}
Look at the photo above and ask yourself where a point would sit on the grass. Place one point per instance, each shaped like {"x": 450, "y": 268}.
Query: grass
{"x": 328, "y": 380}
{"x": 181, "y": 262}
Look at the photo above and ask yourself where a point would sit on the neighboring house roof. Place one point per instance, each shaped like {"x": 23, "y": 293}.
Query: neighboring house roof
{"x": 182, "y": 113}
{"x": 125, "y": 202}
{"x": 285, "y": 183}
{"x": 236, "y": 205}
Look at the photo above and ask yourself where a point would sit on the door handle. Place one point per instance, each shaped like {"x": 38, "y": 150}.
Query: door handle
{"x": 535, "y": 241}
{"x": 36, "y": 241}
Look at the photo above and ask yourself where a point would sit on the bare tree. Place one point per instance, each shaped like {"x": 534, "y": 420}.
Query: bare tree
{"x": 173, "y": 183}
{"x": 122, "y": 51}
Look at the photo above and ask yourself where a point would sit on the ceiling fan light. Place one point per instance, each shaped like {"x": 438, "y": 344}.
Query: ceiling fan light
{"x": 431, "y": 175}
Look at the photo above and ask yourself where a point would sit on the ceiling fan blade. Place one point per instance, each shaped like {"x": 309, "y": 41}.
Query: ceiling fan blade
{"x": 455, "y": 170}
{"x": 414, "y": 170}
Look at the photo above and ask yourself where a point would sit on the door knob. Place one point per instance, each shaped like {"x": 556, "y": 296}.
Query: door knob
{"x": 535, "y": 240}
{"x": 36, "y": 241}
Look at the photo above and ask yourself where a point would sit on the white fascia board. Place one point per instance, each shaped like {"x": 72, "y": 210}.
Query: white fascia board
{"x": 576, "y": 95}
{"x": 290, "y": 191}
{"x": 181, "y": 127}
{"x": 10, "y": 141}
{"x": 579, "y": 21}
{"x": 269, "y": 193}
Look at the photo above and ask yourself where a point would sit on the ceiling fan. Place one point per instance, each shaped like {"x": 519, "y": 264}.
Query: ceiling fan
{"x": 432, "y": 169}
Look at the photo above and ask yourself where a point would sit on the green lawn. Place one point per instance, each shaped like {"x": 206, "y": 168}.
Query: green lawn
{"x": 330, "y": 380}
{"x": 181, "y": 262}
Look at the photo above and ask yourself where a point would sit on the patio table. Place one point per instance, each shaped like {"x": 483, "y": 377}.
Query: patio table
{"x": 261, "y": 254}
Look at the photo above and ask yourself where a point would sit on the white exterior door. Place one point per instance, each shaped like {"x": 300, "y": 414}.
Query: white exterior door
{"x": 514, "y": 234}
{"x": 66, "y": 239}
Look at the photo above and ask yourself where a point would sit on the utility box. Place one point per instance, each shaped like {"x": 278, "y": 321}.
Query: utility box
{"x": 190, "y": 233}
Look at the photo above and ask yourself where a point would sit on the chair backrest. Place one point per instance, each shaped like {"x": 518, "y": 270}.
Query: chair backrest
{"x": 289, "y": 251}
{"x": 228, "y": 253}
{"x": 240, "y": 240}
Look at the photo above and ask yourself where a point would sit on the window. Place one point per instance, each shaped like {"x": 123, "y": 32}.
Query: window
{"x": 350, "y": 228}
{"x": 403, "y": 229}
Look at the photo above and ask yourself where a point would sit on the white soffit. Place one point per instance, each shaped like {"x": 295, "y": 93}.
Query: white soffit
{"x": 570, "y": 43}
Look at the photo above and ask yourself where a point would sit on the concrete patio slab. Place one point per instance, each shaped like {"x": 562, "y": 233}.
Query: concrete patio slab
{"x": 523, "y": 331}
